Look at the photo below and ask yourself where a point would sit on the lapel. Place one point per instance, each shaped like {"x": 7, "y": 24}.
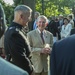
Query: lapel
{"x": 46, "y": 36}
{"x": 38, "y": 36}
{"x": 23, "y": 36}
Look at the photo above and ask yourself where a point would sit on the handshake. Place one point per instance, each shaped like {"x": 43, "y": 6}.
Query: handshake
{"x": 46, "y": 49}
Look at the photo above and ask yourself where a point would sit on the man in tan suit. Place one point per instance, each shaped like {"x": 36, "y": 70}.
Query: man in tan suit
{"x": 41, "y": 47}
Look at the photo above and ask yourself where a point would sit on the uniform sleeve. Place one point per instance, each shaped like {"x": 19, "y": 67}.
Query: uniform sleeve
{"x": 19, "y": 52}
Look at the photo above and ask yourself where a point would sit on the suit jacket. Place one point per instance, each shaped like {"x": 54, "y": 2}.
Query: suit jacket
{"x": 39, "y": 60}
{"x": 63, "y": 57}
{"x": 16, "y": 44}
{"x": 7, "y": 68}
{"x": 53, "y": 27}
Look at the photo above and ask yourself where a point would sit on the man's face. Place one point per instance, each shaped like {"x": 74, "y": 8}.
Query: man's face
{"x": 41, "y": 23}
{"x": 26, "y": 18}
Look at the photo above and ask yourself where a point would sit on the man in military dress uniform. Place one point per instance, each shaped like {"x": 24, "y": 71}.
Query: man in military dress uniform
{"x": 15, "y": 43}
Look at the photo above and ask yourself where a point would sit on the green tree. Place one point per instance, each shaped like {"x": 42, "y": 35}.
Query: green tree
{"x": 8, "y": 9}
{"x": 50, "y": 7}
{"x": 55, "y": 7}
{"x": 31, "y": 4}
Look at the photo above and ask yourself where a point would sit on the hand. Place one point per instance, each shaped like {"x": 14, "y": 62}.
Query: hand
{"x": 45, "y": 51}
{"x": 49, "y": 52}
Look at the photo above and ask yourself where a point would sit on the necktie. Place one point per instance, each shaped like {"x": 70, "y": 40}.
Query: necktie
{"x": 42, "y": 37}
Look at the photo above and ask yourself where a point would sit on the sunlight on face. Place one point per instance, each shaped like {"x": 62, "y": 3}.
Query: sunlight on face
{"x": 41, "y": 23}
{"x": 26, "y": 18}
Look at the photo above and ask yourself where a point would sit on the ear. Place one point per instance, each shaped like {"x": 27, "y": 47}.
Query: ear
{"x": 46, "y": 23}
{"x": 21, "y": 15}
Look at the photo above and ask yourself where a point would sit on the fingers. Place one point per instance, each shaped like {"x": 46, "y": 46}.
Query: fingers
{"x": 46, "y": 50}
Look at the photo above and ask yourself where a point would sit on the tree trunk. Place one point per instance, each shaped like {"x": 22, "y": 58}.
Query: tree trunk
{"x": 31, "y": 4}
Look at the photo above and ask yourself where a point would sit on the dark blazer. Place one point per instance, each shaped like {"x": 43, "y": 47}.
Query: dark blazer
{"x": 30, "y": 25}
{"x": 62, "y": 61}
{"x": 53, "y": 28}
{"x": 16, "y": 44}
{"x": 7, "y": 68}
{"x": 72, "y": 31}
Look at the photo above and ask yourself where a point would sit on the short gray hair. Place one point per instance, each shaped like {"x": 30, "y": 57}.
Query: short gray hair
{"x": 43, "y": 17}
{"x": 37, "y": 13}
{"x": 23, "y": 8}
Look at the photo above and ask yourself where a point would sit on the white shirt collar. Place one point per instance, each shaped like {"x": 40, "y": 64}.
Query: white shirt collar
{"x": 40, "y": 31}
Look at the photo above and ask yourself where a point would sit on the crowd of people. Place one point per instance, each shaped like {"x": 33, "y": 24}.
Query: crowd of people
{"x": 27, "y": 47}
{"x": 61, "y": 26}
